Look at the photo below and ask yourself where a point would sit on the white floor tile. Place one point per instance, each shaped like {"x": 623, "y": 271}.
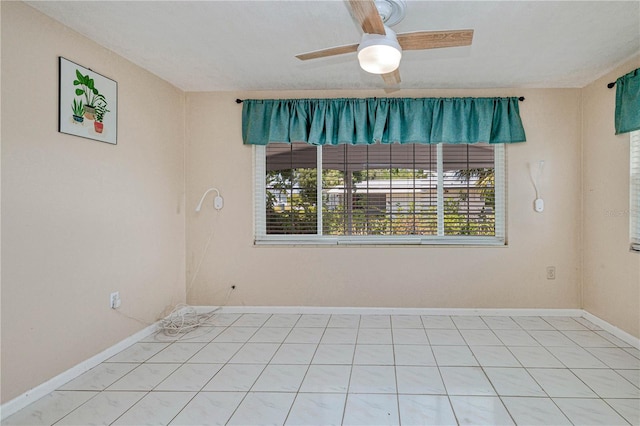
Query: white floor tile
{"x": 235, "y": 378}
{"x": 344, "y": 321}
{"x": 445, "y": 337}
{"x": 263, "y": 408}
{"x": 334, "y": 354}
{"x": 100, "y": 377}
{"x": 500, "y": 323}
{"x": 406, "y": 321}
{"x": 270, "y": 335}
{"x": 631, "y": 375}
{"x": 144, "y": 377}
{"x": 589, "y": 412}
{"x": 215, "y": 353}
{"x": 49, "y": 409}
{"x": 533, "y": 323}
{"x": 607, "y": 383}
{"x": 138, "y": 352}
{"x": 616, "y": 341}
{"x": 282, "y": 320}
{"x": 375, "y": 321}
{"x": 515, "y": 337}
{"x": 588, "y": 324}
{"x": 419, "y": 380}
{"x": 513, "y": 382}
{"x": 576, "y": 357}
{"x": 369, "y": 410}
{"x": 236, "y": 334}
{"x": 305, "y": 335}
{"x": 103, "y": 409}
{"x": 327, "y": 378}
{"x": 317, "y": 409}
{"x": 156, "y": 408}
{"x": 437, "y": 321}
{"x": 255, "y": 353}
{"x": 313, "y": 320}
{"x": 202, "y": 334}
{"x": 424, "y": 410}
{"x": 372, "y": 379}
{"x": 480, "y": 410}
{"x": 616, "y": 358}
{"x": 480, "y": 337}
{"x": 373, "y": 355}
{"x": 209, "y": 408}
{"x": 627, "y": 408}
{"x": 251, "y": 320}
{"x": 454, "y": 356}
{"x": 551, "y": 338}
{"x": 414, "y": 355}
{"x": 374, "y": 336}
{"x": 535, "y": 411}
{"x": 494, "y": 356}
{"x": 294, "y": 353}
{"x": 535, "y": 357}
{"x": 340, "y": 335}
{"x": 177, "y": 352}
{"x": 280, "y": 378}
{"x": 469, "y": 322}
{"x": 189, "y": 377}
{"x": 466, "y": 381}
{"x": 587, "y": 338}
{"x": 561, "y": 383}
{"x": 413, "y": 336}
{"x": 223, "y": 320}
{"x": 565, "y": 323}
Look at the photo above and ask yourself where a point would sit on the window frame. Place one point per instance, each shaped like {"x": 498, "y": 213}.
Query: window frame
{"x": 262, "y": 238}
{"x": 634, "y": 191}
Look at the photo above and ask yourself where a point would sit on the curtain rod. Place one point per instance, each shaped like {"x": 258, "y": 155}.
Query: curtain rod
{"x": 610, "y": 85}
{"x": 521, "y": 98}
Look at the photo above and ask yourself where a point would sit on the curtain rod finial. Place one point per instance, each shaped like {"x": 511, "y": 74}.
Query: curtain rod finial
{"x": 610, "y": 85}
{"x": 238, "y": 101}
{"x": 521, "y": 98}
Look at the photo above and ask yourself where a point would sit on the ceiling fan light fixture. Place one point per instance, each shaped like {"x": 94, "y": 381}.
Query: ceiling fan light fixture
{"x": 379, "y": 54}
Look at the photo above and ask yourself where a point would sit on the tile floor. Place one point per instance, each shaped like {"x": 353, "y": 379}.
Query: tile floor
{"x": 250, "y": 369}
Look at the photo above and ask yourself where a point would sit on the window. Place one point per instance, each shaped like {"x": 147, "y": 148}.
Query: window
{"x": 634, "y": 210}
{"x": 380, "y": 194}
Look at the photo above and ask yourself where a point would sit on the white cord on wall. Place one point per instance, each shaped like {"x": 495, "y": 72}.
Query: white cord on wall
{"x": 538, "y": 204}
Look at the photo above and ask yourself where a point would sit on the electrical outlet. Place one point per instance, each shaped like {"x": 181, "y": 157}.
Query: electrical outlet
{"x": 114, "y": 300}
{"x": 551, "y": 272}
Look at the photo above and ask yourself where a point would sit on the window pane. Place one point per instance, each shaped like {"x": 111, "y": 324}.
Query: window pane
{"x": 291, "y": 189}
{"x": 469, "y": 189}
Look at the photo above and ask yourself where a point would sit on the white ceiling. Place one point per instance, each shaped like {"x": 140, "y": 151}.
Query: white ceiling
{"x": 250, "y": 45}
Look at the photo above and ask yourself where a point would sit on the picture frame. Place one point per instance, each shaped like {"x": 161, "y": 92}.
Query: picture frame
{"x": 87, "y": 103}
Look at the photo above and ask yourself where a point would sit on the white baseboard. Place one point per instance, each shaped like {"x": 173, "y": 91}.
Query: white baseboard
{"x": 32, "y": 395}
{"x": 620, "y": 334}
{"x": 392, "y": 311}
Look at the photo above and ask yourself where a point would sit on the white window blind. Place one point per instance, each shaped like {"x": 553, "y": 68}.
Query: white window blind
{"x": 380, "y": 194}
{"x": 634, "y": 209}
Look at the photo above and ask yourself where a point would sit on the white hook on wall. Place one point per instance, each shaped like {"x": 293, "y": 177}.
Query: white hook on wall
{"x": 218, "y": 202}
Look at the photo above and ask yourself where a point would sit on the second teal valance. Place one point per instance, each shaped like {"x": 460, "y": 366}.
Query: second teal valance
{"x": 628, "y": 102}
{"x": 382, "y": 120}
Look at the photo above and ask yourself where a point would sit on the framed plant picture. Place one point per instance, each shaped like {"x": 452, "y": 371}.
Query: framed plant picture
{"x": 87, "y": 103}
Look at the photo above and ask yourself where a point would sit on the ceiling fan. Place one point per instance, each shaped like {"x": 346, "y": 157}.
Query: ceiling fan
{"x": 380, "y": 50}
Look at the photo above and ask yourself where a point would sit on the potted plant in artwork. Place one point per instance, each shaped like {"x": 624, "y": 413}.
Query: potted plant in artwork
{"x": 78, "y": 110}
{"x": 100, "y": 111}
{"x": 91, "y": 94}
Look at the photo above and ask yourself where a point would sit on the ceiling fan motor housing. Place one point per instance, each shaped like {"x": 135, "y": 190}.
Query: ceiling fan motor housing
{"x": 391, "y": 11}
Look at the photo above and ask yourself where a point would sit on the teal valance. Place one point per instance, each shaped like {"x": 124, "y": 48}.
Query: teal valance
{"x": 628, "y": 102}
{"x": 382, "y": 120}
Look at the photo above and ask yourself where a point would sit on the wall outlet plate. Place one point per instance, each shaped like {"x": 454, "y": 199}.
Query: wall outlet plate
{"x": 218, "y": 203}
{"x": 538, "y": 205}
{"x": 114, "y": 300}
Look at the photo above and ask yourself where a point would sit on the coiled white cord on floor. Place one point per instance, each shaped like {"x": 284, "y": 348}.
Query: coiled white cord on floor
{"x": 183, "y": 319}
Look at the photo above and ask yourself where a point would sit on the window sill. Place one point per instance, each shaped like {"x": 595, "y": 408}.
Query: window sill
{"x": 315, "y": 241}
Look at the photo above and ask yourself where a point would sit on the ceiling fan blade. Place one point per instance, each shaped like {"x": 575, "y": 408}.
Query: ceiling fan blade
{"x": 420, "y": 40}
{"x": 331, "y": 51}
{"x": 367, "y": 15}
{"x": 391, "y": 78}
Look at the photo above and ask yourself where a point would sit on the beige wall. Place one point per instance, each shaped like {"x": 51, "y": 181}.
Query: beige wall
{"x": 80, "y": 218}
{"x": 611, "y": 284}
{"x": 508, "y": 277}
